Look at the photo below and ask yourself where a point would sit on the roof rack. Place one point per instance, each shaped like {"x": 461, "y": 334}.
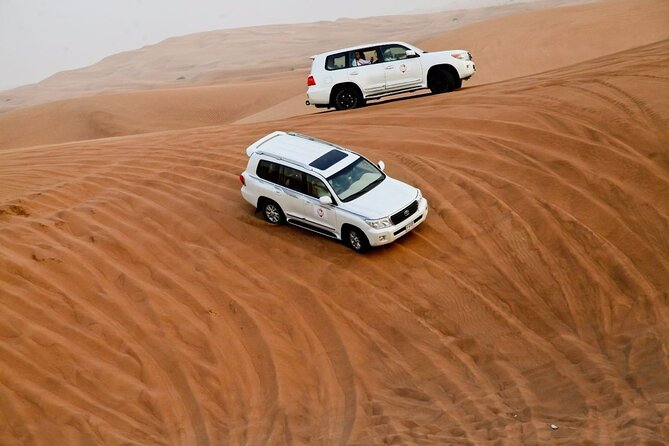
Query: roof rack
{"x": 311, "y": 138}
{"x": 288, "y": 160}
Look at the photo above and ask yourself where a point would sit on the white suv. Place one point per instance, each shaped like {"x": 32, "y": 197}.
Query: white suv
{"x": 329, "y": 190}
{"x": 348, "y": 77}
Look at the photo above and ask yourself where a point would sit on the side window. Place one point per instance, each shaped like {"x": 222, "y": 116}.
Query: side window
{"x": 268, "y": 170}
{"x": 291, "y": 178}
{"x": 394, "y": 52}
{"x": 335, "y": 62}
{"x": 363, "y": 56}
{"x": 316, "y": 188}
{"x": 281, "y": 175}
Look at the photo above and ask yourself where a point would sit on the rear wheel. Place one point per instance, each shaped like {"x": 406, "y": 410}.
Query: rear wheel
{"x": 441, "y": 80}
{"x": 347, "y": 98}
{"x": 356, "y": 240}
{"x": 272, "y": 212}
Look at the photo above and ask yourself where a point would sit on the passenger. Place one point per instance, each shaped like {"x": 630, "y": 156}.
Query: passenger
{"x": 360, "y": 60}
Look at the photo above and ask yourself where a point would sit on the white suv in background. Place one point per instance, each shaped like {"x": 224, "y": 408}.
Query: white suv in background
{"x": 329, "y": 190}
{"x": 348, "y": 77}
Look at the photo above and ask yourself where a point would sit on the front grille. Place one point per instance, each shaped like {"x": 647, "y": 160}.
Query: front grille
{"x": 403, "y": 214}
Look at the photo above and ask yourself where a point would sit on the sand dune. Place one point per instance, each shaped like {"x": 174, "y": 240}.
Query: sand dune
{"x": 103, "y": 116}
{"x": 218, "y": 56}
{"x": 274, "y": 94}
{"x": 144, "y": 302}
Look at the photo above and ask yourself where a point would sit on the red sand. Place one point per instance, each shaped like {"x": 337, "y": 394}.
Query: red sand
{"x": 145, "y": 303}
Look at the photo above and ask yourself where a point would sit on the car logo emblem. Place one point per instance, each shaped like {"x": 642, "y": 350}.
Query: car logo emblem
{"x": 406, "y": 213}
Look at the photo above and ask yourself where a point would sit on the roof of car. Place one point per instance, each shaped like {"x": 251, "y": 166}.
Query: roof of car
{"x": 364, "y": 45}
{"x": 308, "y": 152}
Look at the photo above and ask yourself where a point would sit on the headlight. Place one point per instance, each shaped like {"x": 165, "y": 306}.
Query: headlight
{"x": 462, "y": 56}
{"x": 419, "y": 196}
{"x": 379, "y": 223}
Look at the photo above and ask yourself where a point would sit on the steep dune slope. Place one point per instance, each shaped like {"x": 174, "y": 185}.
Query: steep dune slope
{"x": 143, "y": 302}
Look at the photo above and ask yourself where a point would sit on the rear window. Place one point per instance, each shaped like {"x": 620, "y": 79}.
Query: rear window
{"x": 335, "y": 62}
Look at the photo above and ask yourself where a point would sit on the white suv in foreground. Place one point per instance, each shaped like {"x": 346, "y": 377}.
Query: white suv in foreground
{"x": 329, "y": 190}
{"x": 348, "y": 77}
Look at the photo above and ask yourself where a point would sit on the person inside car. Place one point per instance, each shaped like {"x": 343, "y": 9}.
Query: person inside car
{"x": 360, "y": 60}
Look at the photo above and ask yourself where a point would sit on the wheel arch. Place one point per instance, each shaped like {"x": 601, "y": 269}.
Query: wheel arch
{"x": 336, "y": 88}
{"x": 261, "y": 200}
{"x": 344, "y": 229}
{"x": 444, "y": 66}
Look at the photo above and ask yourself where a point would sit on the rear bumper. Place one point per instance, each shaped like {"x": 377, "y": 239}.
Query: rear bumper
{"x": 250, "y": 197}
{"x": 318, "y": 96}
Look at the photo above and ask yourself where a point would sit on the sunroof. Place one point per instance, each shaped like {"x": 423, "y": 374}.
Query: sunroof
{"x": 327, "y": 160}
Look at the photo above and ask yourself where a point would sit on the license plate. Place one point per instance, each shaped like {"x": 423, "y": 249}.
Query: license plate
{"x": 409, "y": 226}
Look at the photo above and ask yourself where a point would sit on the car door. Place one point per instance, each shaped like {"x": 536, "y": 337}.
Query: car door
{"x": 317, "y": 214}
{"x": 400, "y": 71}
{"x": 287, "y": 187}
{"x": 370, "y": 77}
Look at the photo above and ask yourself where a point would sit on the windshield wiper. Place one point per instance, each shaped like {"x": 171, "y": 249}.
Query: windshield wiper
{"x": 366, "y": 189}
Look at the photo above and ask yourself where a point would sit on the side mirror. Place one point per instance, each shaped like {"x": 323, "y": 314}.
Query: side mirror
{"x": 411, "y": 53}
{"x": 381, "y": 165}
{"x": 325, "y": 199}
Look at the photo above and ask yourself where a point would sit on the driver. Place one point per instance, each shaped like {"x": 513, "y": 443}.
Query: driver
{"x": 360, "y": 60}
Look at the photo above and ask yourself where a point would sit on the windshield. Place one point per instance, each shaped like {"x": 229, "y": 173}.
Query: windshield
{"x": 356, "y": 179}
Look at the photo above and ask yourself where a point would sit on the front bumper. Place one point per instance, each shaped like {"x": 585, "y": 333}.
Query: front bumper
{"x": 378, "y": 237}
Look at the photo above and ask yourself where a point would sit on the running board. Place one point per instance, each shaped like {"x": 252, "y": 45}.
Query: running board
{"x": 312, "y": 228}
{"x": 390, "y": 93}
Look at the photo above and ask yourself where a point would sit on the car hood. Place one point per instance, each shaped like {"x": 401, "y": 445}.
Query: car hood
{"x": 389, "y": 197}
{"x": 442, "y": 55}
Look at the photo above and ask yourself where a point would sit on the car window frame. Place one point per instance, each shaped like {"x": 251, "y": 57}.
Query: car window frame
{"x": 351, "y": 56}
{"x": 382, "y": 49}
{"x": 334, "y": 56}
{"x": 281, "y": 174}
{"x": 323, "y": 182}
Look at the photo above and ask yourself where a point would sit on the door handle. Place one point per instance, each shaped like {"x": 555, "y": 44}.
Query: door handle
{"x": 389, "y": 67}
{"x": 353, "y": 73}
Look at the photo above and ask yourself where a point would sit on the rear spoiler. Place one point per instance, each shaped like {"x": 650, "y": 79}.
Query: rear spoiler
{"x": 256, "y": 145}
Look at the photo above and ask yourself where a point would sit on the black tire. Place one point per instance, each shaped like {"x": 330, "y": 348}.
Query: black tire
{"x": 347, "y": 98}
{"x": 355, "y": 239}
{"x": 441, "y": 81}
{"x": 272, "y": 212}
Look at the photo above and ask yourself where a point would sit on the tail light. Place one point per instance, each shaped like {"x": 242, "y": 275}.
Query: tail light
{"x": 242, "y": 179}
{"x": 311, "y": 81}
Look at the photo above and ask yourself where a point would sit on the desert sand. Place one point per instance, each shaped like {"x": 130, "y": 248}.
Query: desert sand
{"x": 145, "y": 303}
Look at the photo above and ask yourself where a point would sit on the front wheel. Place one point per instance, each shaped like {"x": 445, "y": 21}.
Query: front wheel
{"x": 441, "y": 81}
{"x": 356, "y": 240}
{"x": 272, "y": 212}
{"x": 348, "y": 98}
